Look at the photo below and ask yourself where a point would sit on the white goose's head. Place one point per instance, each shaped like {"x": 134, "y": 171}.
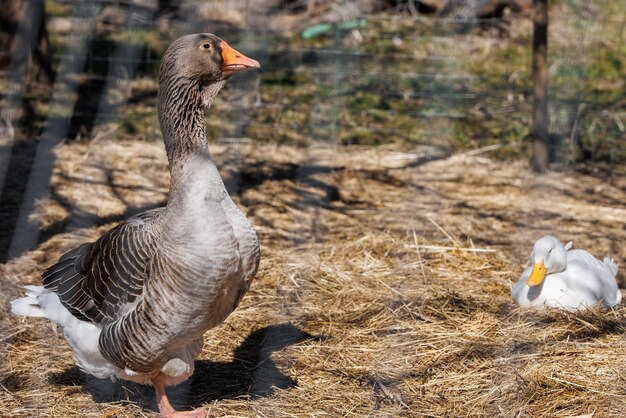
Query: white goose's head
{"x": 548, "y": 256}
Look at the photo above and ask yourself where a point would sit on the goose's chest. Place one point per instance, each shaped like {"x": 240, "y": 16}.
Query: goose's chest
{"x": 205, "y": 237}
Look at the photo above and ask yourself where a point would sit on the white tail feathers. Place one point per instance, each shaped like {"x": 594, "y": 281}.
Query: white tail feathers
{"x": 29, "y": 305}
{"x": 611, "y": 265}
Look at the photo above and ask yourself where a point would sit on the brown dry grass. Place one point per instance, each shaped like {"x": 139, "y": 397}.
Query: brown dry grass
{"x": 383, "y": 289}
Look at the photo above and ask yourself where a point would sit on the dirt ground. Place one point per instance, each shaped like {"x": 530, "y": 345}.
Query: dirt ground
{"x": 384, "y": 287}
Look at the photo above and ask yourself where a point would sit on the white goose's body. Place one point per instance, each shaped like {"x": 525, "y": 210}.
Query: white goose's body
{"x": 581, "y": 282}
{"x": 135, "y": 303}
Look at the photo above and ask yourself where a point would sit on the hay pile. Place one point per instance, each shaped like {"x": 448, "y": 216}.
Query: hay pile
{"x": 384, "y": 288}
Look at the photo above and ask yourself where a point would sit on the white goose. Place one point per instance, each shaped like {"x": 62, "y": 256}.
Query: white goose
{"x": 135, "y": 304}
{"x": 566, "y": 279}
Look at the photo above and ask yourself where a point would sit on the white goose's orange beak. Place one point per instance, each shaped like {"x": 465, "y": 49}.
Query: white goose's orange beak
{"x": 235, "y": 61}
{"x": 537, "y": 275}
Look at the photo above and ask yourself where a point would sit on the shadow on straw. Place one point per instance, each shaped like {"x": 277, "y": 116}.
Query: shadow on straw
{"x": 252, "y": 373}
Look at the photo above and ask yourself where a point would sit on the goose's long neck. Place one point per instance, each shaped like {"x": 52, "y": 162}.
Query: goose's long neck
{"x": 181, "y": 104}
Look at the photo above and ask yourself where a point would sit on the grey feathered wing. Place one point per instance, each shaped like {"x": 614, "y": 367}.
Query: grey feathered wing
{"x": 97, "y": 281}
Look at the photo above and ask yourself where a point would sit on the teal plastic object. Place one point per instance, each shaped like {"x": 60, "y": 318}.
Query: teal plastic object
{"x": 316, "y": 30}
{"x": 321, "y": 28}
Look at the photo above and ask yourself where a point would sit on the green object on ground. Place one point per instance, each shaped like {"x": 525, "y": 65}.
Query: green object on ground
{"x": 316, "y": 30}
{"x": 321, "y": 28}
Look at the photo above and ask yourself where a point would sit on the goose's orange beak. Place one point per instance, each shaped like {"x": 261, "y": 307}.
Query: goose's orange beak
{"x": 235, "y": 61}
{"x": 537, "y": 275}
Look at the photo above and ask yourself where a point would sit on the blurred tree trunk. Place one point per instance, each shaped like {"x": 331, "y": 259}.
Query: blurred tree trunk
{"x": 539, "y": 131}
{"x": 9, "y": 12}
{"x": 25, "y": 56}
{"x": 24, "y": 39}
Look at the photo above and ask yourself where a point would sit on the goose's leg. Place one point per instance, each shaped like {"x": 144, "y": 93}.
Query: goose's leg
{"x": 165, "y": 408}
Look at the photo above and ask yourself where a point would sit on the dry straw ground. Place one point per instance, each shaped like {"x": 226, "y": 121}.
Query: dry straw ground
{"x": 383, "y": 289}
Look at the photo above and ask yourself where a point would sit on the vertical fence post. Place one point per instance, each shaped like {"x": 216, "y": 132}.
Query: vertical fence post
{"x": 539, "y": 131}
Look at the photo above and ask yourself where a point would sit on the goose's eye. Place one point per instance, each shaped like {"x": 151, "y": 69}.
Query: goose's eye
{"x": 206, "y": 45}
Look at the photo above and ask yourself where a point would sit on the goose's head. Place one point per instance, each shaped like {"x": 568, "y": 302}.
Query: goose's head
{"x": 201, "y": 60}
{"x": 204, "y": 57}
{"x": 548, "y": 256}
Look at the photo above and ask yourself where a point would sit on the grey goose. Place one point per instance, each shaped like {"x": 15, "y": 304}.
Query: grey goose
{"x": 135, "y": 303}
